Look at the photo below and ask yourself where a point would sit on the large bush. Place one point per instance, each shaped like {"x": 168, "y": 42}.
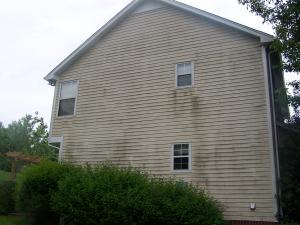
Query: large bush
{"x": 108, "y": 195}
{"x": 35, "y": 187}
{"x": 7, "y": 202}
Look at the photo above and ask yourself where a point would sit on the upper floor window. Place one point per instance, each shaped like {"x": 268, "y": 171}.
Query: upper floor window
{"x": 184, "y": 74}
{"x": 67, "y": 98}
{"x": 181, "y": 156}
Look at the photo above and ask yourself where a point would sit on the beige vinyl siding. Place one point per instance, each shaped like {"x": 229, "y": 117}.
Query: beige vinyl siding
{"x": 129, "y": 111}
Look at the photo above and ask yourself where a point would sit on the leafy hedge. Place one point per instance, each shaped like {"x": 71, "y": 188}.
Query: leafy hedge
{"x": 110, "y": 195}
{"x": 5, "y": 163}
{"x": 35, "y": 187}
{"x": 7, "y": 201}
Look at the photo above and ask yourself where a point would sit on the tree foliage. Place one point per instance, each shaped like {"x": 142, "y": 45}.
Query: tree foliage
{"x": 294, "y": 101}
{"x": 284, "y": 16}
{"x": 4, "y": 139}
{"x": 28, "y": 135}
{"x": 289, "y": 156}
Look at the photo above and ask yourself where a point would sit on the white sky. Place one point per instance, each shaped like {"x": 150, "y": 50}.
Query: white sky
{"x": 36, "y": 35}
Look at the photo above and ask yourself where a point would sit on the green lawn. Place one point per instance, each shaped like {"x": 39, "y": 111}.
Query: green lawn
{"x": 4, "y": 176}
{"x": 13, "y": 220}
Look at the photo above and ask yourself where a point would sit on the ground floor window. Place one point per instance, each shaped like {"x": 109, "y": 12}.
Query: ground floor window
{"x": 181, "y": 156}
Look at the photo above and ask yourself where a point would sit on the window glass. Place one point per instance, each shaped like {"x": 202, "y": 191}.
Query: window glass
{"x": 187, "y": 68}
{"x": 68, "y": 90}
{"x": 67, "y": 100}
{"x": 66, "y": 107}
{"x": 184, "y": 74}
{"x": 180, "y": 69}
{"x": 181, "y": 156}
{"x": 184, "y": 80}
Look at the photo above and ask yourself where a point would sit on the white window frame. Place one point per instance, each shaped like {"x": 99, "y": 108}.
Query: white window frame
{"x": 192, "y": 75}
{"x": 189, "y": 157}
{"x": 76, "y": 96}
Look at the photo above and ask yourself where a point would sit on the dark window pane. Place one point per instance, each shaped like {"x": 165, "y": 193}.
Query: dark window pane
{"x": 185, "y": 163}
{"x": 185, "y": 160}
{"x": 185, "y": 152}
{"x": 185, "y": 146}
{"x": 177, "y": 163}
{"x": 184, "y": 80}
{"x": 185, "y": 166}
{"x": 66, "y": 107}
{"x": 181, "y": 163}
{"x": 177, "y": 146}
{"x": 177, "y": 166}
{"x": 177, "y": 152}
{"x": 178, "y": 160}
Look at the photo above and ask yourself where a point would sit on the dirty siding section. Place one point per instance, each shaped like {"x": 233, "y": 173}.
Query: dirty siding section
{"x": 130, "y": 113}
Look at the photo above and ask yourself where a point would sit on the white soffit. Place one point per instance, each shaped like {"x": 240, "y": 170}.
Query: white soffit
{"x": 137, "y": 6}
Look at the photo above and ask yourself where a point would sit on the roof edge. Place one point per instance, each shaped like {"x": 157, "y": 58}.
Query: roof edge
{"x": 53, "y": 75}
{"x": 264, "y": 37}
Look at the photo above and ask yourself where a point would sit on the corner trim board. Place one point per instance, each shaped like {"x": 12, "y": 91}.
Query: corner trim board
{"x": 270, "y": 129}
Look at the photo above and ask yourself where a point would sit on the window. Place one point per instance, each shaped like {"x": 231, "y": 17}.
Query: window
{"x": 184, "y": 74}
{"x": 67, "y": 98}
{"x": 181, "y": 156}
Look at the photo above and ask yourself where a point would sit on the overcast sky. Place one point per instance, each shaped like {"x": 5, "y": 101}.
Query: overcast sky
{"x": 37, "y": 35}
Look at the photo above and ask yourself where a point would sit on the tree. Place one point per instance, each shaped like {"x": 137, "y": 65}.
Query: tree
{"x": 28, "y": 135}
{"x": 4, "y": 139}
{"x": 284, "y": 16}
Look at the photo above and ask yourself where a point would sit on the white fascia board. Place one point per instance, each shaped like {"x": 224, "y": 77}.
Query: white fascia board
{"x": 53, "y": 75}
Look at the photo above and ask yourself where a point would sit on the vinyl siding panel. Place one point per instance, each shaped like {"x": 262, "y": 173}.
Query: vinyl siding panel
{"x": 129, "y": 111}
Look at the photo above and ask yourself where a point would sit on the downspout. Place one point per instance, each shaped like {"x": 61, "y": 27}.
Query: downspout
{"x": 273, "y": 124}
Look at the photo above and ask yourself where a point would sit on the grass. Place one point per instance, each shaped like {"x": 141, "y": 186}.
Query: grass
{"x": 291, "y": 224}
{"x": 4, "y": 176}
{"x": 13, "y": 220}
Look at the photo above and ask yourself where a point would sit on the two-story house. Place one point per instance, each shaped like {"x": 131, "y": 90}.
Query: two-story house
{"x": 176, "y": 91}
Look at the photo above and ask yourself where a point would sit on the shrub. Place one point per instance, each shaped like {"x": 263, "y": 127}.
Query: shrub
{"x": 5, "y": 163}
{"x": 7, "y": 202}
{"x": 35, "y": 186}
{"x": 108, "y": 195}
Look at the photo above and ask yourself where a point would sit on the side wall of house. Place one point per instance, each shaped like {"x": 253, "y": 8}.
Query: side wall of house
{"x": 129, "y": 111}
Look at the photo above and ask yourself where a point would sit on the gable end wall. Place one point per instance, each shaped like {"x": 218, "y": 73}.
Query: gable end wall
{"x": 129, "y": 111}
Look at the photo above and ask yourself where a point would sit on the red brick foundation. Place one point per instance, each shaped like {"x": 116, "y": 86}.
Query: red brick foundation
{"x": 245, "y": 222}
